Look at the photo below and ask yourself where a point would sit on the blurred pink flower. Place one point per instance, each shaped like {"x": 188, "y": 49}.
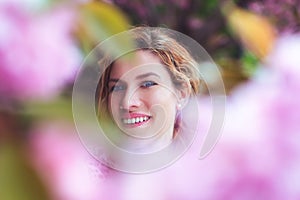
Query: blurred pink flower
{"x": 38, "y": 55}
{"x": 261, "y": 133}
{"x": 285, "y": 59}
{"x": 68, "y": 171}
{"x": 240, "y": 167}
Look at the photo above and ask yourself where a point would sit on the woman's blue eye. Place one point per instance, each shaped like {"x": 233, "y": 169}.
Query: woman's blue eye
{"x": 148, "y": 84}
{"x": 116, "y": 88}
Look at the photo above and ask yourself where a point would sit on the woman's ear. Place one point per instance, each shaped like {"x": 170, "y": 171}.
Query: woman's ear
{"x": 183, "y": 94}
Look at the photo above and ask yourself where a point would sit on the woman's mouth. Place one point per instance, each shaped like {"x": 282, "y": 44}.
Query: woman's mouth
{"x": 135, "y": 120}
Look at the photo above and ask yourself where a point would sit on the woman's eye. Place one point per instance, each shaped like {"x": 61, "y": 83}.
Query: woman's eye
{"x": 148, "y": 84}
{"x": 116, "y": 88}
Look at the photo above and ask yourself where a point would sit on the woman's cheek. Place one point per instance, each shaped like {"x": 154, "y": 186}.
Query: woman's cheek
{"x": 164, "y": 98}
{"x": 112, "y": 104}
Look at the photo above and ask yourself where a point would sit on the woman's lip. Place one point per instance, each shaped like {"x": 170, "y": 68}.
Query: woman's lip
{"x": 134, "y": 115}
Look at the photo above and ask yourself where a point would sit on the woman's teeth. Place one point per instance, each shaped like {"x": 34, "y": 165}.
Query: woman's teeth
{"x": 135, "y": 120}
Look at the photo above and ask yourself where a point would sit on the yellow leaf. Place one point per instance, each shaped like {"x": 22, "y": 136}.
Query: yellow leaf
{"x": 255, "y": 32}
{"x": 98, "y": 21}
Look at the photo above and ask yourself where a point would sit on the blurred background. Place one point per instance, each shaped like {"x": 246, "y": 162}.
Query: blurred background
{"x": 256, "y": 45}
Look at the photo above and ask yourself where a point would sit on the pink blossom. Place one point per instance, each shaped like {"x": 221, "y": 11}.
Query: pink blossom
{"x": 67, "y": 170}
{"x": 285, "y": 58}
{"x": 38, "y": 55}
{"x": 237, "y": 168}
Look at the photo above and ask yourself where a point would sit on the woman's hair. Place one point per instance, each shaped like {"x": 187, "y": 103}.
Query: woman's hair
{"x": 179, "y": 62}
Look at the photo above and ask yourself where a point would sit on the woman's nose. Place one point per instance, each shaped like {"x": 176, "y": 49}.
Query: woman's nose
{"x": 131, "y": 100}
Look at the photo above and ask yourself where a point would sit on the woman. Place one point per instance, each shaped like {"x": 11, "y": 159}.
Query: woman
{"x": 144, "y": 91}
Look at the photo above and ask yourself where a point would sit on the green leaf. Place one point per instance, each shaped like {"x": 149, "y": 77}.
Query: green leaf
{"x": 250, "y": 63}
{"x": 207, "y": 8}
{"x": 18, "y": 181}
{"x": 60, "y": 108}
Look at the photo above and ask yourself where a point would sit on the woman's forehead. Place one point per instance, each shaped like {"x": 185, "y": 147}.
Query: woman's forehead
{"x": 138, "y": 63}
{"x": 137, "y": 58}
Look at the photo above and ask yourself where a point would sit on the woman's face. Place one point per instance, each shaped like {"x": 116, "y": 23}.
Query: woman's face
{"x": 142, "y": 97}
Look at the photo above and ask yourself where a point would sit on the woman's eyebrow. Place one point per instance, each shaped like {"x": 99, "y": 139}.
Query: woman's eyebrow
{"x": 146, "y": 75}
{"x": 114, "y": 80}
{"x": 138, "y": 77}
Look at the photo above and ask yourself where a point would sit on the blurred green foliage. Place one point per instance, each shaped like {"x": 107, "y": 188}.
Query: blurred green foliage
{"x": 250, "y": 63}
{"x": 18, "y": 180}
{"x": 59, "y": 109}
